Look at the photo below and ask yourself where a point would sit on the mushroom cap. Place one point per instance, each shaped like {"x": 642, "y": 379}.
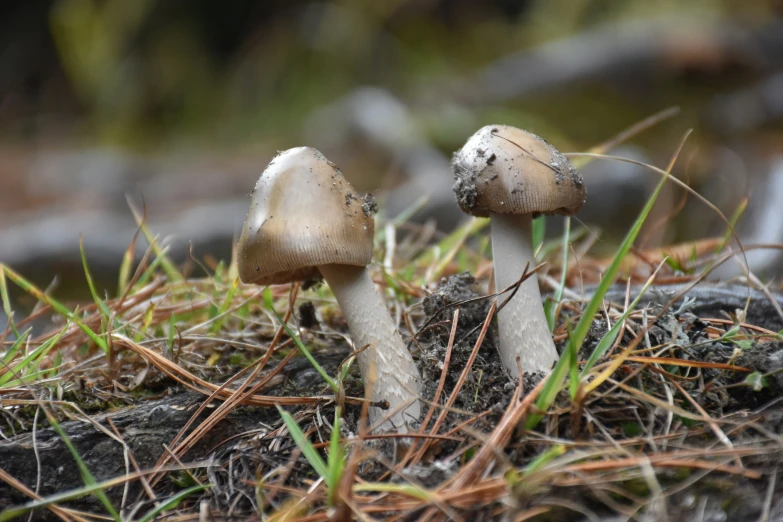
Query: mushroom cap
{"x": 506, "y": 170}
{"x": 303, "y": 214}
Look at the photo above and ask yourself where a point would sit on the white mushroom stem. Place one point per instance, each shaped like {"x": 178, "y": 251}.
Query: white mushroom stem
{"x": 386, "y": 365}
{"x": 521, "y": 323}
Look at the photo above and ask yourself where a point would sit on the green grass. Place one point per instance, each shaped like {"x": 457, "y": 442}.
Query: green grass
{"x": 550, "y": 306}
{"x": 164, "y": 505}
{"x": 25, "y": 370}
{"x": 567, "y": 363}
{"x": 302, "y": 348}
{"x": 330, "y": 471}
{"x": 58, "y": 307}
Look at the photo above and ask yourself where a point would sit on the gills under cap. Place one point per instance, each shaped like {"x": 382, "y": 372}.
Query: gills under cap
{"x": 506, "y": 170}
{"x": 303, "y": 214}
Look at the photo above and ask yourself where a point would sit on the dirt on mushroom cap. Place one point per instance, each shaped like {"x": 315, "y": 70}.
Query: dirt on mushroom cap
{"x": 503, "y": 169}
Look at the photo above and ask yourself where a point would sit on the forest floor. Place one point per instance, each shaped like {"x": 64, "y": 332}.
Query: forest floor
{"x": 191, "y": 397}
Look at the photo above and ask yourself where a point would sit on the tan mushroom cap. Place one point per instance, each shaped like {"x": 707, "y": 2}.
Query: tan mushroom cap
{"x": 303, "y": 214}
{"x": 506, "y": 170}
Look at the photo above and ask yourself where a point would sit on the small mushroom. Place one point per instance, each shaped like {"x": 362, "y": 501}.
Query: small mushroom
{"x": 305, "y": 221}
{"x": 512, "y": 176}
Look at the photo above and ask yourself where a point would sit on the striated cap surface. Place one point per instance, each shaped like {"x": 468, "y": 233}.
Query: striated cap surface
{"x": 506, "y": 170}
{"x": 303, "y": 214}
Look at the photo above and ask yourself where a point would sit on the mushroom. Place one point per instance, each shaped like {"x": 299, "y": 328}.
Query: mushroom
{"x": 306, "y": 221}
{"x": 512, "y": 176}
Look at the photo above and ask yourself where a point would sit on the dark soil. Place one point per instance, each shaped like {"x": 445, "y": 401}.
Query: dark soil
{"x": 473, "y": 178}
{"x": 307, "y": 316}
{"x": 144, "y": 427}
{"x": 488, "y": 385}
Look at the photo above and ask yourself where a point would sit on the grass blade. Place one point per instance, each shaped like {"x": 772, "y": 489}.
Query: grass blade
{"x": 455, "y": 238}
{"x": 608, "y": 339}
{"x": 583, "y": 326}
{"x": 453, "y": 244}
{"x": 217, "y": 324}
{"x": 331, "y": 382}
{"x": 627, "y": 134}
{"x": 402, "y": 217}
{"x": 573, "y": 364}
{"x": 34, "y": 356}
{"x": 15, "y": 348}
{"x": 733, "y": 223}
{"x": 58, "y": 307}
{"x": 168, "y": 267}
{"x": 172, "y": 503}
{"x": 105, "y": 312}
{"x": 308, "y": 450}
{"x": 124, "y": 277}
{"x": 65, "y": 496}
{"x": 9, "y": 312}
{"x": 543, "y": 458}
{"x": 150, "y": 270}
{"x": 409, "y": 490}
{"x": 336, "y": 458}
{"x": 550, "y": 307}
{"x": 550, "y": 390}
{"x": 555, "y": 379}
{"x": 539, "y": 230}
{"x": 87, "y": 477}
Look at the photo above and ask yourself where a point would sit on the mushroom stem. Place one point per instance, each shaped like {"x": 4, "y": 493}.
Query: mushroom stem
{"x": 522, "y": 324}
{"x": 386, "y": 365}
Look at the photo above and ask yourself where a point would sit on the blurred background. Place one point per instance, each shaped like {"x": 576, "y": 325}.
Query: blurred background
{"x": 184, "y": 102}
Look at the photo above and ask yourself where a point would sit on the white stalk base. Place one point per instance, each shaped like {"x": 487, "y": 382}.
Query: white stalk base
{"x": 521, "y": 323}
{"x": 386, "y": 365}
